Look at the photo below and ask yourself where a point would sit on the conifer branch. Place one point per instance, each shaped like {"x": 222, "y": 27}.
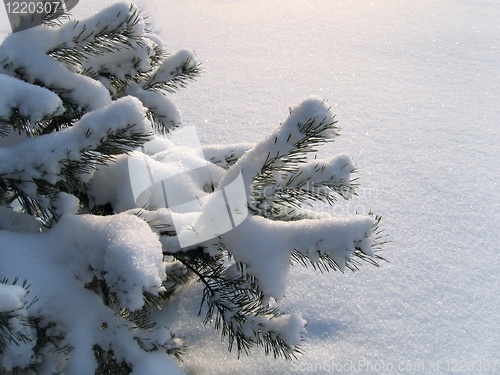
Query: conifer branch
{"x": 236, "y": 306}
{"x": 181, "y": 76}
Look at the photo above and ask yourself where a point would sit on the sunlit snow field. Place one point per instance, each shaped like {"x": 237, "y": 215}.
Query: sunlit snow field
{"x": 416, "y": 89}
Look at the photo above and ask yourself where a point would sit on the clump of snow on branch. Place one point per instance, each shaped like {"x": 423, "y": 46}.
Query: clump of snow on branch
{"x": 18, "y": 350}
{"x": 267, "y": 256}
{"x": 31, "y": 101}
{"x": 122, "y": 249}
{"x": 45, "y": 156}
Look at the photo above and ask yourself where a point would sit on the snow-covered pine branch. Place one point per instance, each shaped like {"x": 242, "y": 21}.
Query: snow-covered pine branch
{"x": 225, "y": 155}
{"x": 88, "y": 63}
{"x": 89, "y": 273}
{"x": 68, "y": 90}
{"x": 287, "y": 234}
{"x": 44, "y": 157}
{"x": 83, "y": 95}
{"x": 31, "y": 169}
{"x": 269, "y": 167}
{"x": 55, "y": 75}
{"x": 260, "y": 263}
{"x": 326, "y": 237}
{"x": 27, "y": 106}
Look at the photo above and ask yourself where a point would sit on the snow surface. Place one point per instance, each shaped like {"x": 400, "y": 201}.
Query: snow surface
{"x": 415, "y": 86}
